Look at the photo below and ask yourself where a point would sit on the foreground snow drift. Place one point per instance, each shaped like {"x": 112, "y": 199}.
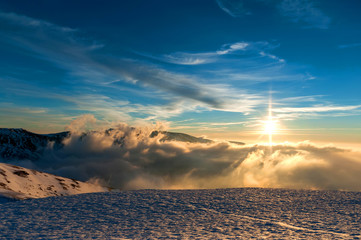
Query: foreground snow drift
{"x": 21, "y": 183}
{"x": 192, "y": 214}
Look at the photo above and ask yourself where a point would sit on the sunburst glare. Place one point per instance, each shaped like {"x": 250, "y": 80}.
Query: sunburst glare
{"x": 270, "y": 126}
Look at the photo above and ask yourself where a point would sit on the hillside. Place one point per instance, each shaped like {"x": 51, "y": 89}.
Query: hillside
{"x": 22, "y": 183}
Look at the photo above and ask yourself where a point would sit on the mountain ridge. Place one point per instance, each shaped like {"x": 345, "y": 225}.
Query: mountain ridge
{"x": 20, "y": 144}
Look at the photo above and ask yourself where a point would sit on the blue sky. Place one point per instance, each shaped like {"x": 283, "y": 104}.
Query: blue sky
{"x": 205, "y": 67}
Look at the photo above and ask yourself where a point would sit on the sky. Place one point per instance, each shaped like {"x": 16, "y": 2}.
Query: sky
{"x": 209, "y": 68}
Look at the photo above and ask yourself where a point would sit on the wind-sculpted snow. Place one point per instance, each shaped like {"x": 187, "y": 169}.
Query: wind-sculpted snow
{"x": 134, "y": 158}
{"x": 187, "y": 214}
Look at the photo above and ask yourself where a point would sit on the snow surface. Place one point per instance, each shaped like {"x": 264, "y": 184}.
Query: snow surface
{"x": 21, "y": 183}
{"x": 242, "y": 213}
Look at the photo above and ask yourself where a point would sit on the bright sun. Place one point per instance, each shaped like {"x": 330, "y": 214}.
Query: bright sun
{"x": 270, "y": 126}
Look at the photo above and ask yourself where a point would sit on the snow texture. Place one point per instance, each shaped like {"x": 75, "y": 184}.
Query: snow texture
{"x": 243, "y": 213}
{"x": 21, "y": 183}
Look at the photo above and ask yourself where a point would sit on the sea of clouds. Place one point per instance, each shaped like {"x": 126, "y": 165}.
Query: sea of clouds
{"x": 128, "y": 158}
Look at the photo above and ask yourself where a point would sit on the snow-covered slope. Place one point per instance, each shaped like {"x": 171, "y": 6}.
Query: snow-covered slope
{"x": 21, "y": 183}
{"x": 187, "y": 214}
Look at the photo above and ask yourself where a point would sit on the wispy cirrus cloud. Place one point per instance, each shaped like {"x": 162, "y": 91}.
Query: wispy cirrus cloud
{"x": 198, "y": 58}
{"x": 351, "y": 45}
{"x": 306, "y": 12}
{"x": 62, "y": 47}
{"x": 22, "y": 20}
{"x": 311, "y": 106}
{"x": 183, "y": 58}
{"x": 241, "y": 50}
{"x": 315, "y": 111}
{"x": 118, "y": 81}
{"x": 234, "y": 8}
{"x": 109, "y": 109}
{"x": 229, "y": 48}
{"x": 43, "y": 37}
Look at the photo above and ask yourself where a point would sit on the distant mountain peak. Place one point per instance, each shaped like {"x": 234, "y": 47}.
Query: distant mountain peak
{"x": 181, "y": 137}
{"x": 18, "y": 143}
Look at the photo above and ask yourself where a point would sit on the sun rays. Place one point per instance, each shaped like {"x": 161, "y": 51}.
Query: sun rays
{"x": 270, "y": 125}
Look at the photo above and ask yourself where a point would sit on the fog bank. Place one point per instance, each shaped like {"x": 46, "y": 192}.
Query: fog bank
{"x": 127, "y": 158}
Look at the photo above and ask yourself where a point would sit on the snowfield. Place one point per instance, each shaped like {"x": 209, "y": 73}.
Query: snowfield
{"x": 242, "y": 213}
{"x": 22, "y": 183}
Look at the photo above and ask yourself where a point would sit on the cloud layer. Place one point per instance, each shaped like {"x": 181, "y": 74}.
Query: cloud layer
{"x": 127, "y": 158}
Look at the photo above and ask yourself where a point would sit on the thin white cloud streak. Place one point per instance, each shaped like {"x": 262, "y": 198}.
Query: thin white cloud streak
{"x": 31, "y": 22}
{"x": 234, "y": 47}
{"x": 298, "y": 11}
{"x": 351, "y": 45}
{"x": 182, "y": 58}
{"x": 321, "y": 109}
{"x": 226, "y": 123}
{"x": 205, "y": 126}
{"x": 255, "y": 74}
{"x": 298, "y": 99}
{"x": 304, "y": 11}
{"x": 196, "y": 124}
{"x": 246, "y": 50}
{"x": 316, "y": 115}
{"x": 315, "y": 109}
{"x": 234, "y": 8}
